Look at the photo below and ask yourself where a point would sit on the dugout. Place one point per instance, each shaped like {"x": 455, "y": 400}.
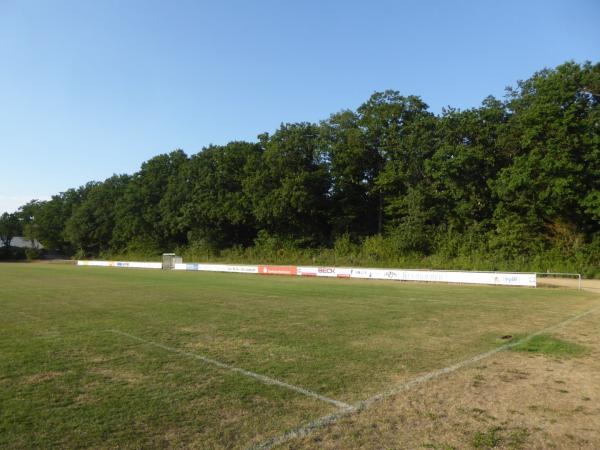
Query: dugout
{"x": 169, "y": 260}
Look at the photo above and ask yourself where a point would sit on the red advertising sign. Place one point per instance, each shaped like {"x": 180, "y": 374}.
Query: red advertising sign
{"x": 278, "y": 270}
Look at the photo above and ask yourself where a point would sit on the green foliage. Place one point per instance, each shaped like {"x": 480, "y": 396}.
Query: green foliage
{"x": 11, "y": 253}
{"x": 90, "y": 227}
{"x": 141, "y": 215}
{"x": 500, "y": 437}
{"x": 33, "y": 253}
{"x": 215, "y": 208}
{"x": 513, "y": 184}
{"x": 488, "y": 439}
{"x": 353, "y": 167}
{"x": 344, "y": 246}
{"x": 9, "y": 228}
{"x": 289, "y": 188}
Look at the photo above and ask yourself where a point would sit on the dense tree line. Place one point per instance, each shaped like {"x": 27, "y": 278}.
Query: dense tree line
{"x": 511, "y": 180}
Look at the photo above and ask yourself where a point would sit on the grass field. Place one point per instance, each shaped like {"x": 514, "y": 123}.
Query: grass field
{"x": 97, "y": 357}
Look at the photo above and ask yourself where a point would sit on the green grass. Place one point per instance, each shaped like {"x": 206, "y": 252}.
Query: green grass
{"x": 497, "y": 436}
{"x": 552, "y": 346}
{"x": 65, "y": 381}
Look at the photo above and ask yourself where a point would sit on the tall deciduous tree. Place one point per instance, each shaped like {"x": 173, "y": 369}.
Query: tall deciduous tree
{"x": 9, "y": 227}
{"x": 390, "y": 123}
{"x": 217, "y": 210}
{"x": 139, "y": 221}
{"x": 90, "y": 226}
{"x": 512, "y": 177}
{"x": 550, "y": 187}
{"x": 353, "y": 167}
{"x": 290, "y": 190}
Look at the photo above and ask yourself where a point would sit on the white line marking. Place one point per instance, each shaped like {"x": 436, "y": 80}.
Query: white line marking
{"x": 263, "y": 378}
{"x": 329, "y": 419}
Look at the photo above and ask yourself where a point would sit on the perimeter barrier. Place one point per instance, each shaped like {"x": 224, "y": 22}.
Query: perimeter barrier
{"x": 431, "y": 276}
{"x": 440, "y": 276}
{"x": 130, "y": 264}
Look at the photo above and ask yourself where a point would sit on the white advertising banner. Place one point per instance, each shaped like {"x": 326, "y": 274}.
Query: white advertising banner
{"x": 334, "y": 272}
{"x": 217, "y": 268}
{"x": 129, "y": 264}
{"x": 440, "y": 276}
{"x": 93, "y": 263}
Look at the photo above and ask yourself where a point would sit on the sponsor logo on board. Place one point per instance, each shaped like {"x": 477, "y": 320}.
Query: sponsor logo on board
{"x": 278, "y": 270}
{"x": 360, "y": 273}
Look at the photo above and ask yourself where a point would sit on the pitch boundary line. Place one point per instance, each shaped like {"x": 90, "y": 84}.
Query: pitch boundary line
{"x": 332, "y": 418}
{"x": 265, "y": 379}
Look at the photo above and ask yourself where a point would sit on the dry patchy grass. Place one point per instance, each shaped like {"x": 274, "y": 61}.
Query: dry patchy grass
{"x": 347, "y": 339}
{"x": 513, "y": 400}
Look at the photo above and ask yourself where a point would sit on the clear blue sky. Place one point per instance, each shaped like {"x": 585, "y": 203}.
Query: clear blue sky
{"x": 92, "y": 88}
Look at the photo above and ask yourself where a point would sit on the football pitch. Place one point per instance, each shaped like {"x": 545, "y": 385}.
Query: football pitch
{"x": 105, "y": 358}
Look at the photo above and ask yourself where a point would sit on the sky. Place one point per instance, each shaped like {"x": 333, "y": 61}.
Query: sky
{"x": 89, "y": 88}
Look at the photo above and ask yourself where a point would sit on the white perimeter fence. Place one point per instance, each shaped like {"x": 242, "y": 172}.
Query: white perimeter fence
{"x": 439, "y": 276}
{"x": 132, "y": 264}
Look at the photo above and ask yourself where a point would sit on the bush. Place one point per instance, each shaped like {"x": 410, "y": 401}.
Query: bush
{"x": 33, "y": 253}
{"x": 11, "y": 254}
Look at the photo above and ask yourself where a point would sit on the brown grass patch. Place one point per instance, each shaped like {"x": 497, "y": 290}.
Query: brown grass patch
{"x": 126, "y": 376}
{"x": 512, "y": 400}
{"x": 43, "y": 376}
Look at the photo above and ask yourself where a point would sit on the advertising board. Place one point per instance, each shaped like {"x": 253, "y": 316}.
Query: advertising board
{"x": 439, "y": 276}
{"x": 333, "y": 272}
{"x": 277, "y": 270}
{"x": 216, "y": 268}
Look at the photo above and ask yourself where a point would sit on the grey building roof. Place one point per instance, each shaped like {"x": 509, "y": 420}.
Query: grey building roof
{"x": 19, "y": 241}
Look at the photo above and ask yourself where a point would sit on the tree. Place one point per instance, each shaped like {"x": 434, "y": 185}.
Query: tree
{"x": 353, "y": 167}
{"x": 217, "y": 210}
{"x": 30, "y": 227}
{"x": 10, "y": 227}
{"x": 290, "y": 188}
{"x": 46, "y": 220}
{"x": 551, "y": 186}
{"x": 140, "y": 222}
{"x": 90, "y": 226}
{"x": 398, "y": 130}
{"x": 468, "y": 157}
{"x": 512, "y": 177}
